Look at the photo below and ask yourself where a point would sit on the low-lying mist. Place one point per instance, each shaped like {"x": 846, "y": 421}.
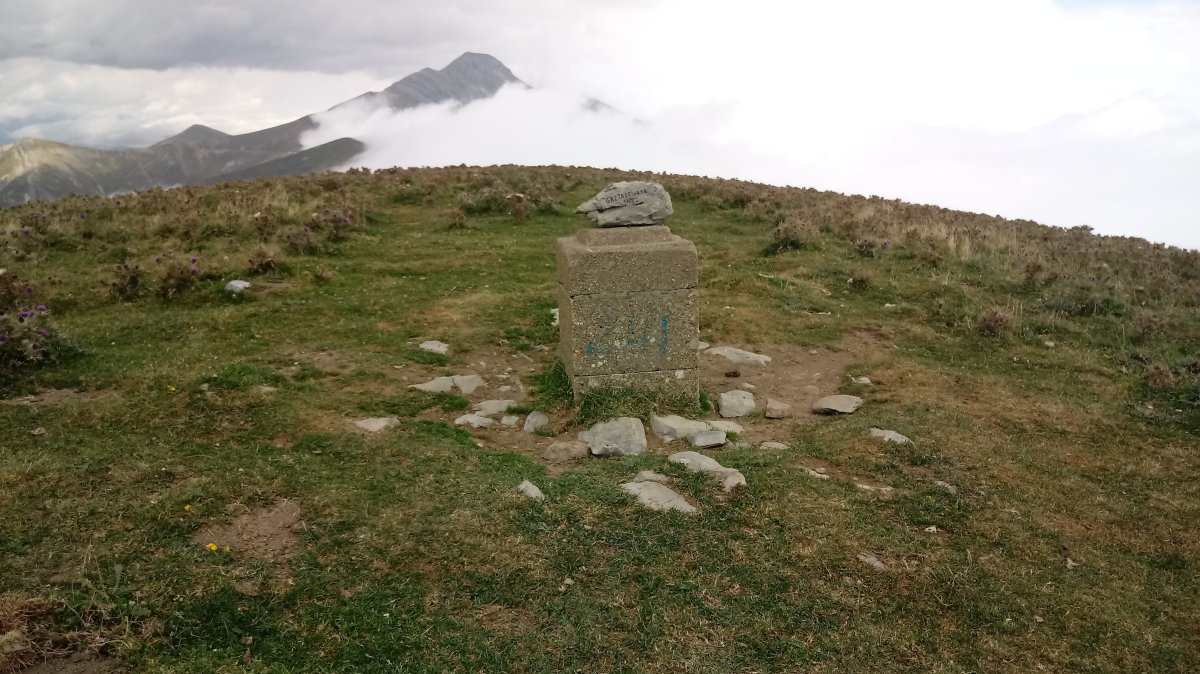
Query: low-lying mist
{"x": 1076, "y": 170}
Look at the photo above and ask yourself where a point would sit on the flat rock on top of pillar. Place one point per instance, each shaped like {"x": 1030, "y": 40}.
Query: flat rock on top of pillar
{"x": 628, "y": 203}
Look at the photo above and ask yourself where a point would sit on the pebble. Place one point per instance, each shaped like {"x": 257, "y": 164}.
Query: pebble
{"x": 236, "y": 286}
{"x": 530, "y": 489}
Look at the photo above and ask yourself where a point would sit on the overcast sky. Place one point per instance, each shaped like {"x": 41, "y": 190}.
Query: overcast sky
{"x": 1066, "y": 112}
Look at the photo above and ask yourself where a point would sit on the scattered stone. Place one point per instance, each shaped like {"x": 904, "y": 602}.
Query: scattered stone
{"x": 947, "y": 486}
{"x": 656, "y": 496}
{"x": 1071, "y": 564}
{"x": 748, "y": 386}
{"x": 236, "y": 286}
{"x": 618, "y": 437}
{"x": 813, "y": 352}
{"x": 554, "y": 314}
{"x": 701, "y": 346}
{"x": 569, "y": 450}
{"x": 773, "y": 445}
{"x": 932, "y": 529}
{"x": 474, "y": 421}
{"x": 434, "y": 346}
{"x": 626, "y": 203}
{"x": 890, "y": 436}
{"x": 708, "y": 439}
{"x": 489, "y": 408}
{"x": 724, "y": 425}
{"x": 38, "y": 431}
{"x": 530, "y": 489}
{"x": 739, "y": 356}
{"x": 509, "y": 420}
{"x": 839, "y": 404}
{"x": 439, "y": 385}
{"x": 376, "y": 424}
{"x": 651, "y": 476}
{"x": 731, "y": 478}
{"x": 673, "y": 427}
{"x": 736, "y": 403}
{"x": 777, "y": 409}
{"x": 1049, "y": 344}
{"x": 872, "y": 561}
{"x": 468, "y": 383}
{"x": 865, "y": 381}
{"x": 817, "y": 474}
{"x": 535, "y": 422}
{"x": 867, "y": 487}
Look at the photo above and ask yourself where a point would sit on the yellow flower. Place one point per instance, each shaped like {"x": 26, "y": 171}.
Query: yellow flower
{"x": 212, "y": 547}
{"x": 187, "y": 508}
{"x": 226, "y": 548}
{"x": 171, "y": 389}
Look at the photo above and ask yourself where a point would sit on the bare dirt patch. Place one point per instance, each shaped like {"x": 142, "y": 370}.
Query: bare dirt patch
{"x": 268, "y": 534}
{"x": 77, "y": 663}
{"x": 58, "y": 396}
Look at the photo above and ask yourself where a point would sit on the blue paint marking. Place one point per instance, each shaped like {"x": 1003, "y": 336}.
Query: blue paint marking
{"x": 666, "y": 331}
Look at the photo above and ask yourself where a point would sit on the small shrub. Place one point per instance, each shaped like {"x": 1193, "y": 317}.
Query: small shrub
{"x": 792, "y": 233}
{"x": 178, "y": 277}
{"x": 26, "y": 338}
{"x": 14, "y": 291}
{"x": 264, "y": 259}
{"x": 866, "y": 247}
{"x": 993, "y": 322}
{"x": 860, "y": 281}
{"x": 130, "y": 282}
{"x": 456, "y": 219}
{"x": 1159, "y": 376}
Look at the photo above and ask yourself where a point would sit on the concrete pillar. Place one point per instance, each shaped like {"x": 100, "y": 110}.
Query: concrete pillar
{"x": 628, "y": 312}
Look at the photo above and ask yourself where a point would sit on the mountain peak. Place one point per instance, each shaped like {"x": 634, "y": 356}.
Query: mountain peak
{"x": 196, "y": 134}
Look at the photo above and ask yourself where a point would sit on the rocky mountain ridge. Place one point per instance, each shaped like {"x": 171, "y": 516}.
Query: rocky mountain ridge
{"x": 33, "y": 169}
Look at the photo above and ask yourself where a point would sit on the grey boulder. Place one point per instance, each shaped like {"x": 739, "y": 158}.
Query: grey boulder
{"x": 619, "y": 437}
{"x": 535, "y": 422}
{"x": 708, "y": 439}
{"x": 531, "y": 490}
{"x": 626, "y": 203}
{"x": 777, "y": 409}
{"x": 739, "y": 356}
{"x": 731, "y": 478}
{"x": 561, "y": 452}
{"x": 736, "y": 403}
{"x": 890, "y": 436}
{"x": 673, "y": 427}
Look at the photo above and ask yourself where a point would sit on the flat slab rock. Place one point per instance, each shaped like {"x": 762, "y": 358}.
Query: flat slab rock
{"x": 777, "y": 409}
{"x": 623, "y": 436}
{"x": 731, "y": 478}
{"x": 890, "y": 436}
{"x": 839, "y": 404}
{"x": 708, "y": 439}
{"x": 490, "y": 408}
{"x": 474, "y": 421}
{"x": 377, "y": 424}
{"x": 434, "y": 346}
{"x": 657, "y": 496}
{"x": 569, "y": 450}
{"x": 739, "y": 356}
{"x": 467, "y": 383}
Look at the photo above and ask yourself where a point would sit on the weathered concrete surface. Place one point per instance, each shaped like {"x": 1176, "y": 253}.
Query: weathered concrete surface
{"x": 679, "y": 383}
{"x": 627, "y": 203}
{"x": 614, "y": 333}
{"x": 625, "y": 260}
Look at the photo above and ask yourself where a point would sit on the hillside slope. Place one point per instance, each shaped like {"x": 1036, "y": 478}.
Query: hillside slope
{"x": 184, "y": 484}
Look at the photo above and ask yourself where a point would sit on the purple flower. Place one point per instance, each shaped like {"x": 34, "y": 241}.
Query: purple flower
{"x": 306, "y": 229}
{"x": 43, "y": 332}
{"x": 3, "y": 337}
{"x": 25, "y": 231}
{"x": 35, "y": 346}
{"x": 25, "y": 314}
{"x": 41, "y": 307}
{"x": 157, "y": 260}
{"x": 28, "y": 290}
{"x": 195, "y": 271}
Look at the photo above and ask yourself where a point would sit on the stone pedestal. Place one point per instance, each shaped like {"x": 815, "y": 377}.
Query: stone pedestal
{"x": 628, "y": 312}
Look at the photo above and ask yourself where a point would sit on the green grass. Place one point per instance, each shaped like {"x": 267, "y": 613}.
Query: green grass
{"x": 417, "y": 554}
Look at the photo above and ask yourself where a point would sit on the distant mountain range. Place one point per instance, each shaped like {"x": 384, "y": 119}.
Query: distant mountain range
{"x": 32, "y": 168}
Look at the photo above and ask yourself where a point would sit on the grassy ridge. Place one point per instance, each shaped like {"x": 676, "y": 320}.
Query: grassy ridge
{"x": 1052, "y": 376}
